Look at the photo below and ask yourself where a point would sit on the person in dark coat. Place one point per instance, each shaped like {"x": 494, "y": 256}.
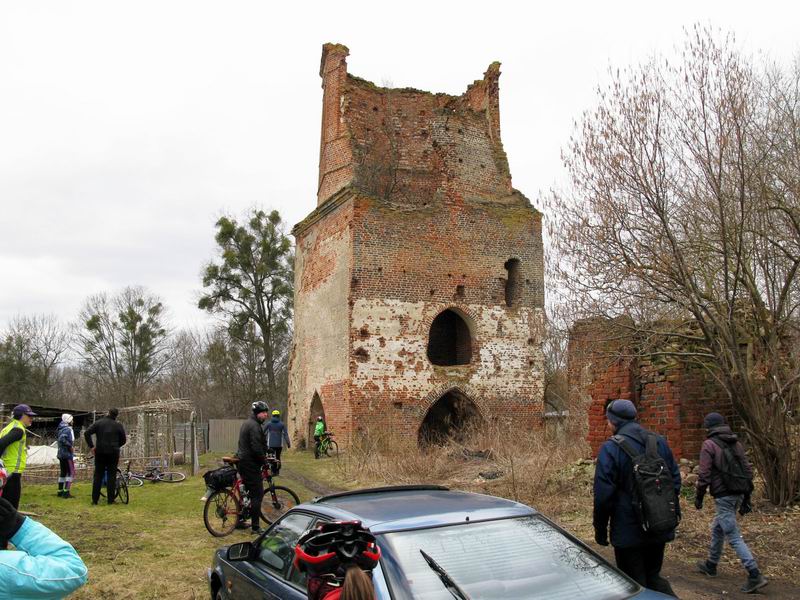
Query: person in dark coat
{"x": 637, "y": 553}
{"x": 726, "y": 502}
{"x": 110, "y": 439}
{"x": 66, "y": 456}
{"x": 252, "y": 453}
{"x": 277, "y": 434}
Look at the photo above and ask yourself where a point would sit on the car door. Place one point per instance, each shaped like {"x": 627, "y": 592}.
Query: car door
{"x": 272, "y": 574}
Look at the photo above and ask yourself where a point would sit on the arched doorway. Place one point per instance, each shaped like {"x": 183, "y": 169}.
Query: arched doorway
{"x": 449, "y": 340}
{"x": 452, "y": 417}
{"x": 315, "y": 411}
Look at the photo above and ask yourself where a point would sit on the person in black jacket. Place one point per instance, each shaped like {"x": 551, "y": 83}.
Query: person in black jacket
{"x": 110, "y": 438}
{"x": 252, "y": 453}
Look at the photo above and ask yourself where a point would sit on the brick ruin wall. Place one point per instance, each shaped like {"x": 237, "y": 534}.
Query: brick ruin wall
{"x": 416, "y": 214}
{"x": 411, "y": 267}
{"x": 322, "y": 280}
{"x": 671, "y": 398}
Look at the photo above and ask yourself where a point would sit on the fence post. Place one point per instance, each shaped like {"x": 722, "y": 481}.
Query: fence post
{"x": 195, "y": 457}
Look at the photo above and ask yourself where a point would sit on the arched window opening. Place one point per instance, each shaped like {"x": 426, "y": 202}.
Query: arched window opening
{"x": 316, "y": 411}
{"x": 452, "y": 417}
{"x": 449, "y": 341}
{"x": 512, "y": 282}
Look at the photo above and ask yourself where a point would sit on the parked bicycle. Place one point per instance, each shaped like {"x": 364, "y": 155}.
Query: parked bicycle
{"x": 226, "y": 507}
{"x": 121, "y": 489}
{"x": 152, "y": 473}
{"x": 327, "y": 445}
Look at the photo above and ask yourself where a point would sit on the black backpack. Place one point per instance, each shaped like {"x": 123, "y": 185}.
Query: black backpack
{"x": 732, "y": 470}
{"x": 654, "y": 498}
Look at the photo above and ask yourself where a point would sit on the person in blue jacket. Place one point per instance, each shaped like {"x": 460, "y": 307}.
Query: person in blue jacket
{"x": 638, "y": 554}
{"x": 277, "y": 434}
{"x": 66, "y": 456}
{"x": 42, "y": 566}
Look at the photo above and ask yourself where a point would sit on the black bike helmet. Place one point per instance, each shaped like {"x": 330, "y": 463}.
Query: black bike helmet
{"x": 259, "y": 407}
{"x": 329, "y": 546}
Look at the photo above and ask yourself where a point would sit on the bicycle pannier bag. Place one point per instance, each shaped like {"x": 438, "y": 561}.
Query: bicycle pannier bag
{"x": 220, "y": 478}
{"x": 654, "y": 498}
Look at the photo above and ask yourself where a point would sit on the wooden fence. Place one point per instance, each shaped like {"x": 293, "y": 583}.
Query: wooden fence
{"x": 223, "y": 434}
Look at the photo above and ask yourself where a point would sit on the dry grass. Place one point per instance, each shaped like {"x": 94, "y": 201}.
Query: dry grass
{"x": 530, "y": 467}
{"x": 552, "y": 474}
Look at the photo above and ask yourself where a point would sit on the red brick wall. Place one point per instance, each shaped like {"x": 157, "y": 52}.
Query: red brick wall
{"x": 408, "y": 145}
{"x": 671, "y": 398}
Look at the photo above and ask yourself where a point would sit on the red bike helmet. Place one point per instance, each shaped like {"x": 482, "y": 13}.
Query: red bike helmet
{"x": 329, "y": 546}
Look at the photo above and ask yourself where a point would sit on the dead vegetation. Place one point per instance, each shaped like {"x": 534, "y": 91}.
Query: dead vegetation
{"x": 552, "y": 474}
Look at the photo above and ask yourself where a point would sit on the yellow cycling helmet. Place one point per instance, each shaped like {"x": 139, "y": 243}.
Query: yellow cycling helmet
{"x": 276, "y": 413}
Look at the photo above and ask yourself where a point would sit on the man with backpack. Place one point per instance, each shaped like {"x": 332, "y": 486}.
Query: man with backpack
{"x": 636, "y": 487}
{"x": 724, "y": 469}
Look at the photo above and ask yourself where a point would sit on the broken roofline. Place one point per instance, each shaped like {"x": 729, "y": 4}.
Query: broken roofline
{"x": 492, "y": 73}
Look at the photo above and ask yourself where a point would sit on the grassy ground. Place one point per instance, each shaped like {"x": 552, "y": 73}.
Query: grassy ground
{"x": 155, "y": 547}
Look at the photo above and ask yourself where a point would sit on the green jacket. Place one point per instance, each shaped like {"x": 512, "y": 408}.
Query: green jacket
{"x": 319, "y": 428}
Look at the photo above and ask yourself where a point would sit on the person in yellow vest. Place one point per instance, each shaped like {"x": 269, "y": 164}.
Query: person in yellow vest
{"x": 14, "y": 451}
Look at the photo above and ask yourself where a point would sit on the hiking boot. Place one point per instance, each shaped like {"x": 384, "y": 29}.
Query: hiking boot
{"x": 706, "y": 567}
{"x": 67, "y": 495}
{"x": 257, "y": 531}
{"x": 242, "y": 524}
{"x": 755, "y": 581}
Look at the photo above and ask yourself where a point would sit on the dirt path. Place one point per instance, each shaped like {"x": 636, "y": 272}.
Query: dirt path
{"x": 314, "y": 486}
{"x": 690, "y": 585}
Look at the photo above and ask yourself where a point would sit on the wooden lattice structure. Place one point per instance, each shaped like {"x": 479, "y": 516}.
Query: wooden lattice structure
{"x": 151, "y": 430}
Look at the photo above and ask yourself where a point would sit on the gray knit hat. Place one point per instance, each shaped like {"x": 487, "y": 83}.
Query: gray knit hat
{"x": 621, "y": 411}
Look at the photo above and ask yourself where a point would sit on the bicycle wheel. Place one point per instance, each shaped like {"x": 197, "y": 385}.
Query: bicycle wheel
{"x": 134, "y": 481}
{"x": 278, "y": 502}
{"x": 332, "y": 449}
{"x": 171, "y": 476}
{"x": 122, "y": 489}
{"x": 221, "y": 513}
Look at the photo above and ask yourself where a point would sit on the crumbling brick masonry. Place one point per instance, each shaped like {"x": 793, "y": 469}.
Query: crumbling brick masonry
{"x": 419, "y": 277}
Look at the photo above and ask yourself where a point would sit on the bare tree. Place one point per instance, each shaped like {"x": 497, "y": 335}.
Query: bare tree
{"x": 684, "y": 213}
{"x": 47, "y": 343}
{"x": 123, "y": 342}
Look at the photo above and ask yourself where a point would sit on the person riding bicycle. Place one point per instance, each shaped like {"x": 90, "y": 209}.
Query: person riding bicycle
{"x": 319, "y": 431}
{"x": 276, "y": 433}
{"x": 252, "y": 454}
{"x": 339, "y": 558}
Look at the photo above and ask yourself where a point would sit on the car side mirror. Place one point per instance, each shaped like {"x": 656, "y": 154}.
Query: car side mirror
{"x": 242, "y": 551}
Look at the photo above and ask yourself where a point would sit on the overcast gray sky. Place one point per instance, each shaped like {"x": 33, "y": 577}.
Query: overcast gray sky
{"x": 126, "y": 129}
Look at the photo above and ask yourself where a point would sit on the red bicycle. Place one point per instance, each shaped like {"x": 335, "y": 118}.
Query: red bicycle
{"x": 226, "y": 507}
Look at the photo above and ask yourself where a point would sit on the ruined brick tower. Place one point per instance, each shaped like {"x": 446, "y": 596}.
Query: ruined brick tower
{"x": 419, "y": 286}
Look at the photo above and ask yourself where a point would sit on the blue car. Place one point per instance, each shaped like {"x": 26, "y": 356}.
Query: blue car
{"x": 492, "y": 548}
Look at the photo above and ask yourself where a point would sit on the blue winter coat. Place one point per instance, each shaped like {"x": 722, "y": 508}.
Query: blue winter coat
{"x": 613, "y": 485}
{"x": 43, "y": 566}
{"x": 276, "y": 433}
{"x": 66, "y": 439}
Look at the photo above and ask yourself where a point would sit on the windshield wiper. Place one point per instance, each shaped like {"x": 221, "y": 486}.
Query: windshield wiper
{"x": 448, "y": 582}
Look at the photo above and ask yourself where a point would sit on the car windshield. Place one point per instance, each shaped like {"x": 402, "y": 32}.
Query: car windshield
{"x": 508, "y": 559}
